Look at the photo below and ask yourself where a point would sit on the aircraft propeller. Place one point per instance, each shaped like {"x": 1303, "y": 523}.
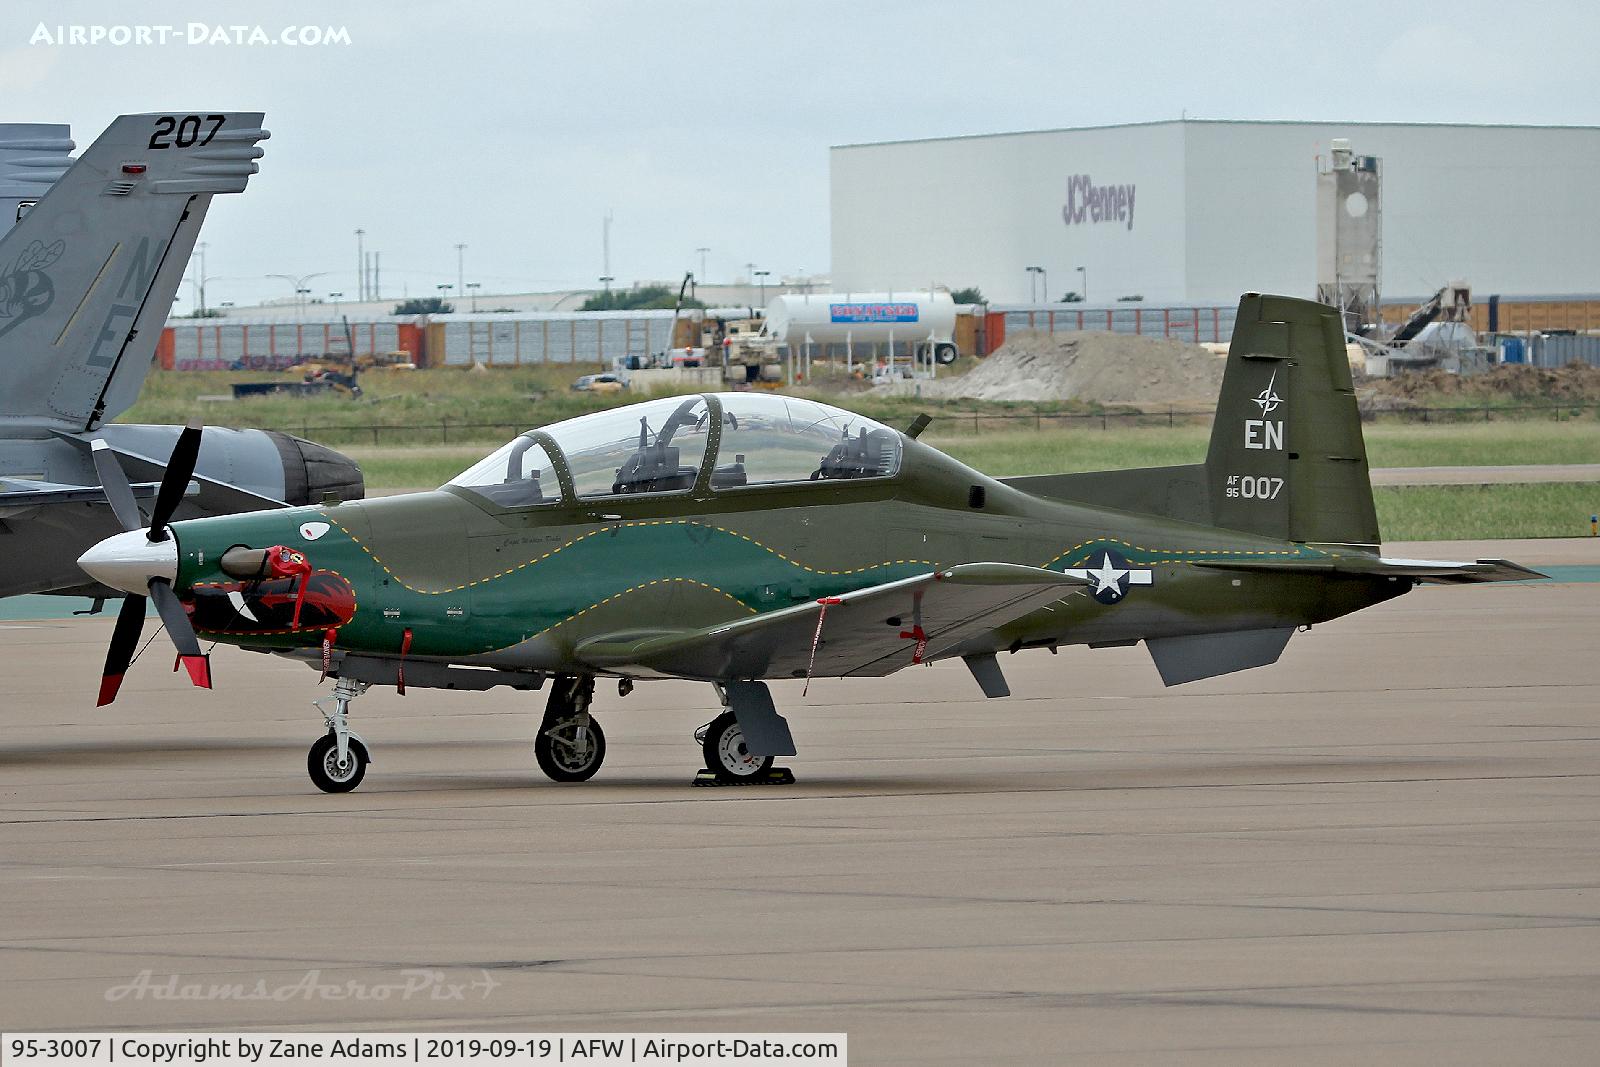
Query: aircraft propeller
{"x": 148, "y": 557}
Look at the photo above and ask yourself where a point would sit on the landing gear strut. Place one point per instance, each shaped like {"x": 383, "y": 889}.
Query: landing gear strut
{"x": 570, "y": 746}
{"x": 338, "y": 760}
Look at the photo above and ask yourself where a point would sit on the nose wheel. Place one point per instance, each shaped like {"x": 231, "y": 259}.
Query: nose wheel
{"x": 331, "y": 773}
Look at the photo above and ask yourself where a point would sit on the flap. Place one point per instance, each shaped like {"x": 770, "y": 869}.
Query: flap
{"x": 873, "y": 631}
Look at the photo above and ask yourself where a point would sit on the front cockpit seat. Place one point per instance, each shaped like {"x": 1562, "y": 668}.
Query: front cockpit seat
{"x": 516, "y": 492}
{"x": 653, "y": 469}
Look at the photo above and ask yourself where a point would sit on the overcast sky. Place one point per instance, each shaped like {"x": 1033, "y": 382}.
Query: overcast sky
{"x": 515, "y": 127}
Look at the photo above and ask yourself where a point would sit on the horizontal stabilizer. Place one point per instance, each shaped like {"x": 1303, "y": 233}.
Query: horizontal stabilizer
{"x": 1432, "y": 571}
{"x": 872, "y": 632}
{"x": 1196, "y": 656}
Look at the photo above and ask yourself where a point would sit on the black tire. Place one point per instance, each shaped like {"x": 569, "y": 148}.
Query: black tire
{"x": 559, "y": 757}
{"x": 946, "y": 354}
{"x": 725, "y": 754}
{"x": 323, "y": 764}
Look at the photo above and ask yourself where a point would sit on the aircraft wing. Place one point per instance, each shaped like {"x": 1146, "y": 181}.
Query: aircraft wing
{"x": 868, "y": 632}
{"x": 18, "y": 495}
{"x": 1432, "y": 571}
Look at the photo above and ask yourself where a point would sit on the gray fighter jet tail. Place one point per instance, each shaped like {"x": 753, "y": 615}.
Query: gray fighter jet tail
{"x": 87, "y": 275}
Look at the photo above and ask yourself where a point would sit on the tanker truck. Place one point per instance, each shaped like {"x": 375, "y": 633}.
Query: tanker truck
{"x": 925, "y": 319}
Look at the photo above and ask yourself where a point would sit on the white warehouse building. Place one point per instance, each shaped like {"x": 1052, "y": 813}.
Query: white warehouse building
{"x": 1199, "y": 211}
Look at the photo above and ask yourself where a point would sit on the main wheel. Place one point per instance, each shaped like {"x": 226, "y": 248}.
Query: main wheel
{"x": 568, "y": 752}
{"x": 327, "y": 773}
{"x": 946, "y": 354}
{"x": 726, "y": 754}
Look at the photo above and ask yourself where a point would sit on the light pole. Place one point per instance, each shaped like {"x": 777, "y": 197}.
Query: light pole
{"x": 300, "y": 284}
{"x": 474, "y": 286}
{"x": 702, "y": 251}
{"x": 461, "y": 270}
{"x": 336, "y": 297}
{"x": 443, "y": 288}
{"x": 202, "y": 279}
{"x": 606, "y": 280}
{"x": 1033, "y": 295}
{"x": 361, "y": 265}
{"x": 302, "y": 294}
{"x": 762, "y": 276}
{"x": 1083, "y": 283}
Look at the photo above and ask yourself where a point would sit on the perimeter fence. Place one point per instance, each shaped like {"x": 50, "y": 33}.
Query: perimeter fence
{"x": 453, "y": 432}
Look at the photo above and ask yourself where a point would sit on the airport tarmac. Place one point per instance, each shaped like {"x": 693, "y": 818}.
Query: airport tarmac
{"x": 1385, "y": 846}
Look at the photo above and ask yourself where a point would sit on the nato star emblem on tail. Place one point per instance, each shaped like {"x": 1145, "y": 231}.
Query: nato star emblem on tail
{"x": 1268, "y": 399}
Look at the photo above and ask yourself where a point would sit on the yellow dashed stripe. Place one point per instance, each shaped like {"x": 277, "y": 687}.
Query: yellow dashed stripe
{"x": 618, "y": 596}
{"x": 595, "y": 533}
{"x": 1177, "y": 555}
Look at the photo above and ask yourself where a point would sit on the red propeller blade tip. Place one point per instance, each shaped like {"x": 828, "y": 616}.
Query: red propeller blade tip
{"x": 109, "y": 684}
{"x": 199, "y": 668}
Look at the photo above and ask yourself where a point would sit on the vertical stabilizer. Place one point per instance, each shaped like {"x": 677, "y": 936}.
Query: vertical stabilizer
{"x": 1287, "y": 458}
{"x": 88, "y": 274}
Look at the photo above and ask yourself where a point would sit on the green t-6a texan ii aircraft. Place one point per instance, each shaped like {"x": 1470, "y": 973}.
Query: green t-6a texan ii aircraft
{"x": 740, "y": 537}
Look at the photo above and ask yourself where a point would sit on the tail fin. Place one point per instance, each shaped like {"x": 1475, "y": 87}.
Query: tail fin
{"x": 87, "y": 276}
{"x": 1286, "y": 457}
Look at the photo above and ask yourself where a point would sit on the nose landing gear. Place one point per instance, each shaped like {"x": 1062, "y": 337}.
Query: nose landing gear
{"x": 338, "y": 760}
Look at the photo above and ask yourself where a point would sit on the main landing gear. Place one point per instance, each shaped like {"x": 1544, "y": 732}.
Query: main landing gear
{"x": 570, "y": 746}
{"x": 739, "y": 745}
{"x": 727, "y": 755}
{"x": 338, "y": 759}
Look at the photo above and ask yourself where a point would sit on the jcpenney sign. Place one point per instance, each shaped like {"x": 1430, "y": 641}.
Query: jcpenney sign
{"x": 1088, "y": 202}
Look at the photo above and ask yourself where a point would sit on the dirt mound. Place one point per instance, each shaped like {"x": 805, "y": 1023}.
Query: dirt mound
{"x": 1576, "y": 383}
{"x": 1104, "y": 368}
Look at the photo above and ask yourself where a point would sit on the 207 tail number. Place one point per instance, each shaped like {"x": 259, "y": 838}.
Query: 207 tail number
{"x": 186, "y": 131}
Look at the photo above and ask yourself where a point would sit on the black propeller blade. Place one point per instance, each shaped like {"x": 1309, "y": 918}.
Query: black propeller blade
{"x": 124, "y": 642}
{"x": 175, "y": 480}
{"x": 115, "y": 483}
{"x": 182, "y": 632}
{"x": 130, "y": 620}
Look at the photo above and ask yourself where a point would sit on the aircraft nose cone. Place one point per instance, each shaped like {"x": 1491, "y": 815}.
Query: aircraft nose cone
{"x": 127, "y": 561}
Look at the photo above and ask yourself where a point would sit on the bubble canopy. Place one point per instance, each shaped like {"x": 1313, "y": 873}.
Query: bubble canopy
{"x": 662, "y": 446}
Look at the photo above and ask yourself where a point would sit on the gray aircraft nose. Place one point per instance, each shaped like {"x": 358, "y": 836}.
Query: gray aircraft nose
{"x": 128, "y": 561}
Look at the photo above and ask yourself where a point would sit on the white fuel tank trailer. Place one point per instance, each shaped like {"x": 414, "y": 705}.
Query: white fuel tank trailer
{"x": 924, "y": 318}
